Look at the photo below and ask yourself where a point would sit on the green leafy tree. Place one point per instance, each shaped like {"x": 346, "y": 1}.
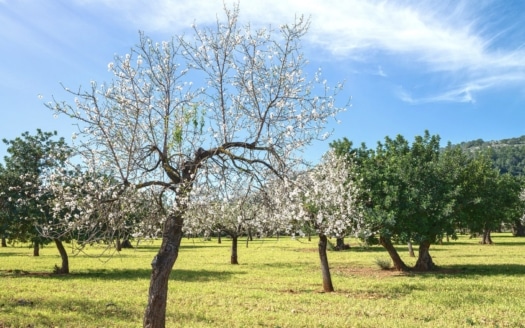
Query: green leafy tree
{"x": 409, "y": 192}
{"x": 30, "y": 159}
{"x": 490, "y": 198}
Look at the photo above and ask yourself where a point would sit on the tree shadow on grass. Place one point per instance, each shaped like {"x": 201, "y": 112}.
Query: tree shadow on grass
{"x": 126, "y": 274}
{"x": 472, "y": 270}
{"x": 54, "y": 312}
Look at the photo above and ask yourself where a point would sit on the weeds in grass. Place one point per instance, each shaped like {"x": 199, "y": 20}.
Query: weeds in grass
{"x": 383, "y": 263}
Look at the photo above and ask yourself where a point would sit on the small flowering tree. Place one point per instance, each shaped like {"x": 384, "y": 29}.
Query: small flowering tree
{"x": 325, "y": 199}
{"x": 228, "y": 98}
{"x": 231, "y": 206}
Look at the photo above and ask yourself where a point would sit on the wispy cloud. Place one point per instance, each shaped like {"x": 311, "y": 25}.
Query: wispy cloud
{"x": 449, "y": 37}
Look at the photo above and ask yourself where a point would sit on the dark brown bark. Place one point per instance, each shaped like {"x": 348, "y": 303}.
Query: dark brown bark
{"x": 219, "y": 239}
{"x": 424, "y": 260}
{"x": 4, "y": 242}
{"x": 118, "y": 245}
{"x": 325, "y": 269}
{"x": 399, "y": 265}
{"x": 234, "y": 259}
{"x": 36, "y": 249}
{"x": 518, "y": 230}
{"x": 162, "y": 264}
{"x": 126, "y": 244}
{"x": 64, "y": 269}
{"x": 486, "y": 239}
{"x": 411, "y": 250}
{"x": 340, "y": 244}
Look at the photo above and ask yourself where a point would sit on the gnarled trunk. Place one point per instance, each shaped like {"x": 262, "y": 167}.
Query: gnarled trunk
{"x": 340, "y": 244}
{"x": 424, "y": 260}
{"x": 399, "y": 265}
{"x": 486, "y": 238}
{"x": 325, "y": 269}
{"x": 64, "y": 269}
{"x": 234, "y": 259}
{"x": 411, "y": 250}
{"x": 162, "y": 264}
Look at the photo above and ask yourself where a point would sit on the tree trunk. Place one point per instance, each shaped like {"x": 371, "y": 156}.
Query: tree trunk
{"x": 486, "y": 238}
{"x": 118, "y": 245}
{"x": 518, "y": 230}
{"x": 219, "y": 239}
{"x": 325, "y": 269}
{"x": 234, "y": 250}
{"x": 411, "y": 250}
{"x": 126, "y": 244}
{"x": 64, "y": 269}
{"x": 340, "y": 244}
{"x": 4, "y": 242}
{"x": 36, "y": 249}
{"x": 424, "y": 260}
{"x": 162, "y": 264}
{"x": 399, "y": 265}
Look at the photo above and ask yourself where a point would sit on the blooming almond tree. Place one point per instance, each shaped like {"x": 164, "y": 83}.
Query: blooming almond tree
{"x": 232, "y": 207}
{"x": 325, "y": 199}
{"x": 227, "y": 97}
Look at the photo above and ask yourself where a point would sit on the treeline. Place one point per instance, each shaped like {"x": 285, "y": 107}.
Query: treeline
{"x": 507, "y": 155}
{"x": 413, "y": 192}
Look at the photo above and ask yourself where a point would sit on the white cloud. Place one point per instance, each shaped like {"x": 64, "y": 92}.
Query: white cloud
{"x": 450, "y": 37}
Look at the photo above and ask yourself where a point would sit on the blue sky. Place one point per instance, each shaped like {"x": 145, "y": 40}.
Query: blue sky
{"x": 456, "y": 68}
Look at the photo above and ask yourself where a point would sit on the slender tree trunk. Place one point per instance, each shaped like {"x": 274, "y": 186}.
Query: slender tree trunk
{"x": 424, "y": 260}
{"x": 64, "y": 269}
{"x": 399, "y": 265}
{"x": 36, "y": 249}
{"x": 4, "y": 242}
{"x": 219, "y": 239}
{"x": 234, "y": 259}
{"x": 411, "y": 250}
{"x": 325, "y": 269}
{"x": 118, "y": 245}
{"x": 518, "y": 230}
{"x": 486, "y": 239}
{"x": 162, "y": 264}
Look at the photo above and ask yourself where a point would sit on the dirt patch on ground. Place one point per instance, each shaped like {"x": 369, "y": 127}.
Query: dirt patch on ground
{"x": 369, "y": 272}
{"x": 379, "y": 273}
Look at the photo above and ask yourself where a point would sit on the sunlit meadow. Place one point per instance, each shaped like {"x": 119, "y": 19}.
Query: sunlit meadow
{"x": 277, "y": 284}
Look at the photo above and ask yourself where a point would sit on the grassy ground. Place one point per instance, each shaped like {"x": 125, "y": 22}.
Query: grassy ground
{"x": 277, "y": 284}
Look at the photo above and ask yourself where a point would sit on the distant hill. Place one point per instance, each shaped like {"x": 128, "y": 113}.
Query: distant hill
{"x": 508, "y": 155}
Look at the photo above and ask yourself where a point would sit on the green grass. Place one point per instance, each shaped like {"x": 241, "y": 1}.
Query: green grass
{"x": 277, "y": 284}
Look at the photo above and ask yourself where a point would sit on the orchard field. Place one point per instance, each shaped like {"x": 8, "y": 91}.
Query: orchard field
{"x": 277, "y": 284}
